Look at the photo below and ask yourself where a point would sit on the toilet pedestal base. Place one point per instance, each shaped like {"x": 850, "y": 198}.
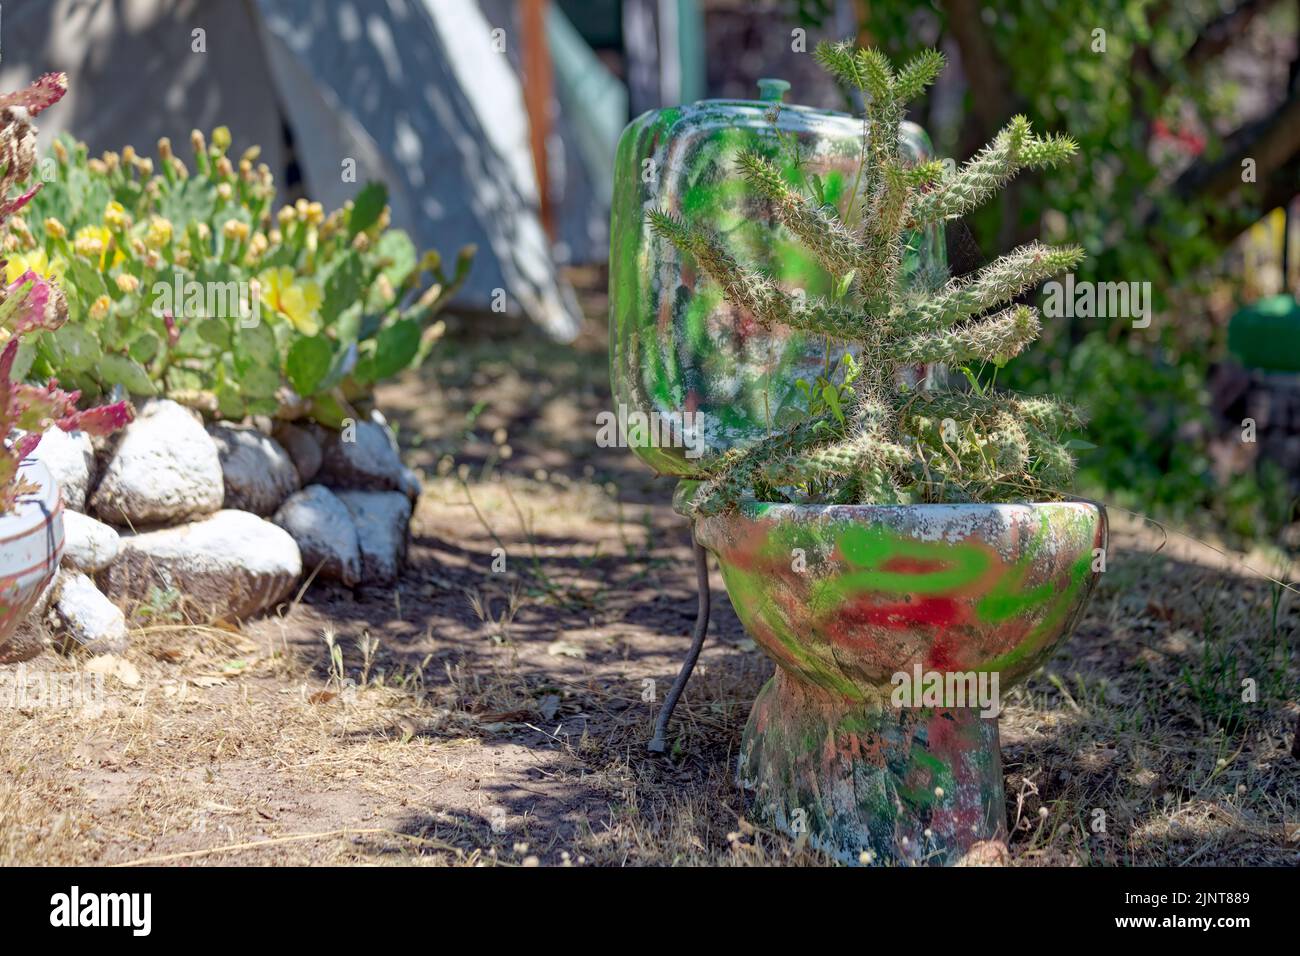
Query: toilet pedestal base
{"x": 872, "y": 785}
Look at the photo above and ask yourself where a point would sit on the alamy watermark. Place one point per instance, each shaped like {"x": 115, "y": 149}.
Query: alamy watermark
{"x": 44, "y": 690}
{"x": 625, "y": 429}
{"x": 221, "y": 300}
{"x": 1069, "y": 299}
{"x": 947, "y": 689}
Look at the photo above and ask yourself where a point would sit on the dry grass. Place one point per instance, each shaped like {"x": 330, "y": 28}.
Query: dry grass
{"x": 468, "y": 717}
{"x": 526, "y": 744}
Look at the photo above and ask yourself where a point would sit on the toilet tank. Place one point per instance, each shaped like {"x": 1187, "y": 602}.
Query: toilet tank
{"x": 680, "y": 356}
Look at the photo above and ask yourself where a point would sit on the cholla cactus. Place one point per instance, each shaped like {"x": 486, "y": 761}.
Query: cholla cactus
{"x": 32, "y": 303}
{"x": 872, "y": 437}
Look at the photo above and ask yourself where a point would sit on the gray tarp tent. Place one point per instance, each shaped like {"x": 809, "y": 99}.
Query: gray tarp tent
{"x": 417, "y": 92}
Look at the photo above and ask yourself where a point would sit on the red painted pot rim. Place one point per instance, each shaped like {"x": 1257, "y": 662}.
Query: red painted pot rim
{"x": 752, "y": 509}
{"x": 710, "y": 531}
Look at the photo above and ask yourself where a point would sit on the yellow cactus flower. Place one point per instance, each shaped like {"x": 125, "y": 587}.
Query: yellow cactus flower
{"x": 127, "y": 283}
{"x": 165, "y": 149}
{"x": 221, "y": 138}
{"x": 115, "y": 216}
{"x": 89, "y": 245}
{"x": 235, "y": 230}
{"x": 93, "y": 243}
{"x": 36, "y": 261}
{"x": 298, "y": 301}
{"x": 257, "y": 246}
{"x": 99, "y": 308}
{"x": 224, "y": 191}
{"x": 159, "y": 232}
{"x": 55, "y": 229}
{"x": 315, "y": 213}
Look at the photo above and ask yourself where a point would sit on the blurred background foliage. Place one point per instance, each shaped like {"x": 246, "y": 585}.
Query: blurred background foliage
{"x": 1167, "y": 101}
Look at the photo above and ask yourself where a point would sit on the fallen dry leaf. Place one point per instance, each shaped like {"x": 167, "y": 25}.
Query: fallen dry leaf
{"x": 110, "y": 665}
{"x": 566, "y": 649}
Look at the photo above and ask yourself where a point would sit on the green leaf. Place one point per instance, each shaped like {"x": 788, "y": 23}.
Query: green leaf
{"x": 367, "y": 207}
{"x": 842, "y": 287}
{"x": 395, "y": 348}
{"x": 328, "y": 410}
{"x": 345, "y": 360}
{"x": 348, "y": 326}
{"x": 190, "y": 201}
{"x": 255, "y": 345}
{"x": 818, "y": 188}
{"x": 215, "y": 332}
{"x": 229, "y": 401}
{"x": 396, "y": 247}
{"x": 144, "y": 347}
{"x": 263, "y": 406}
{"x": 259, "y": 381}
{"x": 124, "y": 371}
{"x": 831, "y": 396}
{"x": 343, "y": 286}
{"x": 308, "y": 363}
{"x": 23, "y": 360}
{"x": 86, "y": 280}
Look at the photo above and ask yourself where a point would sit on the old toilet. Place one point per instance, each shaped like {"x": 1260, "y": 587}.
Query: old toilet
{"x": 867, "y": 611}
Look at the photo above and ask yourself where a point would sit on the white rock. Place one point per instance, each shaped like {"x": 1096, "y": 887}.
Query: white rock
{"x": 86, "y": 616}
{"x": 412, "y": 483}
{"x": 361, "y": 457}
{"x": 228, "y": 565}
{"x": 326, "y": 534}
{"x": 303, "y": 447}
{"x": 258, "y": 473}
{"x": 379, "y": 419}
{"x": 165, "y": 468}
{"x": 381, "y": 518}
{"x": 71, "y": 460}
{"x": 88, "y": 545}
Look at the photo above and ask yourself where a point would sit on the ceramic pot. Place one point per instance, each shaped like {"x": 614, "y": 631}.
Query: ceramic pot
{"x": 895, "y": 631}
{"x": 31, "y": 544}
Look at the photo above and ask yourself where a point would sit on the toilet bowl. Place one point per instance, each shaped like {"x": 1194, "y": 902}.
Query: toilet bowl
{"x": 844, "y": 599}
{"x": 895, "y": 630}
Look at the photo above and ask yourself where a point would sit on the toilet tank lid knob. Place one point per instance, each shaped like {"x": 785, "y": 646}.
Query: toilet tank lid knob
{"x": 772, "y": 90}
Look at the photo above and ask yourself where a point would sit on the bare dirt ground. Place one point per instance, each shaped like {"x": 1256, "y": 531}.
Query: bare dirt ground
{"x": 468, "y": 716}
